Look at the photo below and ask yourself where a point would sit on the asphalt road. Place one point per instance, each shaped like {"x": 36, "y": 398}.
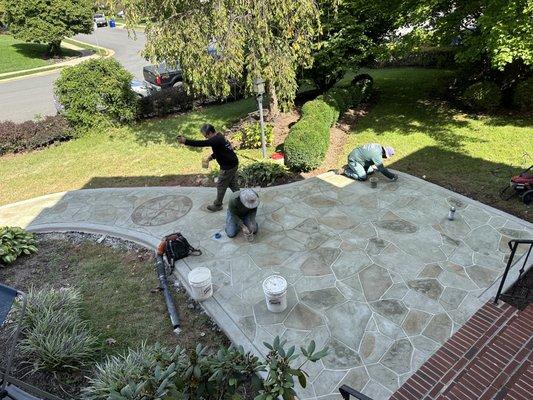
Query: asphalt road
{"x": 23, "y": 99}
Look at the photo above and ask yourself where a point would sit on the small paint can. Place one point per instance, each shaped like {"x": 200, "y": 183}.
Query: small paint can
{"x": 373, "y": 182}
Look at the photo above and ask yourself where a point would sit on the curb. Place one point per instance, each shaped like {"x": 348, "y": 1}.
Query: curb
{"x": 50, "y": 69}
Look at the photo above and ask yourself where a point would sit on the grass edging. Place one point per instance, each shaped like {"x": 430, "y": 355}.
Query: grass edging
{"x": 99, "y": 51}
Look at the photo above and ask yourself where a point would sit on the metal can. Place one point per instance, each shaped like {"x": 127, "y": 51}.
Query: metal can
{"x": 451, "y": 214}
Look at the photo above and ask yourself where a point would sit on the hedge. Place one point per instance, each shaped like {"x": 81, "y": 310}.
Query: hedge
{"x": 29, "y": 135}
{"x": 308, "y": 140}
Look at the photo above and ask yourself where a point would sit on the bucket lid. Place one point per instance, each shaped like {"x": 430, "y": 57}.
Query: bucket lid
{"x": 275, "y": 285}
{"x": 199, "y": 275}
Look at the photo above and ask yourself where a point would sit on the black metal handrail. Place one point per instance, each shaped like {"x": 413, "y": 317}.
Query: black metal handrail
{"x": 513, "y": 245}
{"x": 346, "y": 391}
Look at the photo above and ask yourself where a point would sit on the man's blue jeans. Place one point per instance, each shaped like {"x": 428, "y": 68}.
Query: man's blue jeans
{"x": 232, "y": 224}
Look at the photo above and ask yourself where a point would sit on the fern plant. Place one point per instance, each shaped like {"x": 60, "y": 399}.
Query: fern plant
{"x": 15, "y": 242}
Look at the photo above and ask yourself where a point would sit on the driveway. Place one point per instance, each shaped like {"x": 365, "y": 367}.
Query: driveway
{"x": 23, "y": 99}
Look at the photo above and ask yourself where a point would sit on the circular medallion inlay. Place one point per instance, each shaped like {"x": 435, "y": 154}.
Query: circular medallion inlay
{"x": 161, "y": 210}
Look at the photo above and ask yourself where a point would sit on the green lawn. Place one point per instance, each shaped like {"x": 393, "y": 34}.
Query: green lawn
{"x": 473, "y": 155}
{"x": 141, "y": 155}
{"x": 17, "y": 55}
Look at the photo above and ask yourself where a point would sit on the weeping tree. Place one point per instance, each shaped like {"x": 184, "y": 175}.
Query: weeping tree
{"x": 219, "y": 41}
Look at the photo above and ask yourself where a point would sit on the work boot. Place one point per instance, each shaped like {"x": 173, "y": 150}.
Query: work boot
{"x": 214, "y": 207}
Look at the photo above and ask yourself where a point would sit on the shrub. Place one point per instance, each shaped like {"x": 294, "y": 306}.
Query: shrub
{"x": 96, "y": 91}
{"x": 483, "y": 96}
{"x": 249, "y": 135}
{"x": 30, "y": 135}
{"x": 165, "y": 102}
{"x": 308, "y": 140}
{"x": 261, "y": 174}
{"x": 54, "y": 336}
{"x": 523, "y": 95}
{"x": 15, "y": 242}
{"x": 156, "y": 372}
{"x": 431, "y": 57}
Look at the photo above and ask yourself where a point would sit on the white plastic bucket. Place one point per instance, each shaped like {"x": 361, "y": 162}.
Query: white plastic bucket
{"x": 275, "y": 288}
{"x": 200, "y": 283}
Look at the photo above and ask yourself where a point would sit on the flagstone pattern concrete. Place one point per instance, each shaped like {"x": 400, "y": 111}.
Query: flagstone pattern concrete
{"x": 381, "y": 276}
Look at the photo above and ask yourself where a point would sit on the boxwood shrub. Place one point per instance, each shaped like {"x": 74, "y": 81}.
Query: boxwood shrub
{"x": 308, "y": 140}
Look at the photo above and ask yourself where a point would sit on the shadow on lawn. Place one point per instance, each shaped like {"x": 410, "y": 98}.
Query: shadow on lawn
{"x": 408, "y": 115}
{"x": 37, "y": 50}
{"x": 150, "y": 180}
{"x": 473, "y": 177}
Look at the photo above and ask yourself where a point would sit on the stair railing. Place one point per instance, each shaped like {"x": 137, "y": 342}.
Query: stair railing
{"x": 513, "y": 245}
{"x": 346, "y": 391}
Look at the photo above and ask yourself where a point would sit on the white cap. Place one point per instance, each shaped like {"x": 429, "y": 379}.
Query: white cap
{"x": 249, "y": 198}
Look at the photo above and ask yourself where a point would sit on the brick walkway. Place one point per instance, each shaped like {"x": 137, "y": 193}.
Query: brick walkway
{"x": 490, "y": 357}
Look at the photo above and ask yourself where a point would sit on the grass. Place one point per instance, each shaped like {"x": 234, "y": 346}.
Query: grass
{"x": 98, "y": 50}
{"x": 144, "y": 154}
{"x": 471, "y": 154}
{"x": 18, "y": 55}
{"x": 120, "y": 302}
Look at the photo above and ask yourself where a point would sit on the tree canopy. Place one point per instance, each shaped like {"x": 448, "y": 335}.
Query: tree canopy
{"x": 247, "y": 39}
{"x": 48, "y": 21}
{"x": 498, "y": 30}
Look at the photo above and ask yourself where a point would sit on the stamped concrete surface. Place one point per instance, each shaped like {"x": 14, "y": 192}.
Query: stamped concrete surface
{"x": 378, "y": 275}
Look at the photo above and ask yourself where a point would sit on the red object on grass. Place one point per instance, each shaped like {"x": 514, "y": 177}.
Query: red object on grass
{"x": 277, "y": 156}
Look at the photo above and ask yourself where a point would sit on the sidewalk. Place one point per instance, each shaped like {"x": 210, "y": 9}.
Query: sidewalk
{"x": 379, "y": 275}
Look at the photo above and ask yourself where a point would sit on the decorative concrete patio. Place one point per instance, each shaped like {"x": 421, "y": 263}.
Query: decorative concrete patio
{"x": 379, "y": 275}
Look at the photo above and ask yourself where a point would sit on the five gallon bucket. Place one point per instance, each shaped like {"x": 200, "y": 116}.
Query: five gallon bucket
{"x": 200, "y": 283}
{"x": 275, "y": 288}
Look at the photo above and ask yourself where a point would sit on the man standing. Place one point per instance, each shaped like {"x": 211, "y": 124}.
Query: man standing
{"x": 242, "y": 209}
{"x": 225, "y": 156}
{"x": 365, "y": 159}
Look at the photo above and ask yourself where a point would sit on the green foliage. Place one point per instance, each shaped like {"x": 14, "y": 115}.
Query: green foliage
{"x": 157, "y": 372}
{"x": 249, "y": 135}
{"x": 281, "y": 373}
{"x": 271, "y": 39}
{"x": 48, "y": 22}
{"x": 483, "y": 96}
{"x": 523, "y": 95}
{"x": 365, "y": 83}
{"x": 499, "y": 31}
{"x": 308, "y": 140}
{"x": 14, "y": 242}
{"x": 54, "y": 336}
{"x": 352, "y": 32}
{"x": 96, "y": 92}
{"x": 261, "y": 174}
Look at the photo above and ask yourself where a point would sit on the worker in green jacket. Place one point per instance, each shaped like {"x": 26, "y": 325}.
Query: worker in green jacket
{"x": 363, "y": 160}
{"x": 242, "y": 209}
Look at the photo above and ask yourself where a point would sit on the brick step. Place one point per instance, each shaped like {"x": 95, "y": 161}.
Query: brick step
{"x": 500, "y": 359}
{"x": 479, "y": 360}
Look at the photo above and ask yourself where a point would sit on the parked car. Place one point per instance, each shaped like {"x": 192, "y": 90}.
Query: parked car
{"x": 100, "y": 20}
{"x": 121, "y": 14}
{"x": 162, "y": 76}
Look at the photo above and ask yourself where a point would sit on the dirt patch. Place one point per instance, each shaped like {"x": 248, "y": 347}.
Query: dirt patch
{"x": 121, "y": 301}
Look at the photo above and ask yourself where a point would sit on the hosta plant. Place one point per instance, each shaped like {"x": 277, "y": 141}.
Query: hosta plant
{"x": 14, "y": 242}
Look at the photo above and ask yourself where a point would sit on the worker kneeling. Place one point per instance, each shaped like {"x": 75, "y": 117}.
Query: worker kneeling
{"x": 242, "y": 209}
{"x": 363, "y": 160}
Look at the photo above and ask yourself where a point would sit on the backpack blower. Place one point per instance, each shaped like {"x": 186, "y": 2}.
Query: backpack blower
{"x": 521, "y": 185}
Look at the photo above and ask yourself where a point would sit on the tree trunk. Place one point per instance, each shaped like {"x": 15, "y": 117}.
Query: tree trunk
{"x": 273, "y": 104}
{"x": 54, "y": 49}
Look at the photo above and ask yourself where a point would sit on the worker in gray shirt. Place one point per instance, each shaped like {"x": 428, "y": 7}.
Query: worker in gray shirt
{"x": 363, "y": 160}
{"x": 242, "y": 209}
